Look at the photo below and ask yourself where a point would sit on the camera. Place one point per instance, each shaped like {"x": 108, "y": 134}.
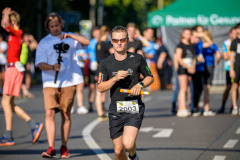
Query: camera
{"x": 62, "y": 47}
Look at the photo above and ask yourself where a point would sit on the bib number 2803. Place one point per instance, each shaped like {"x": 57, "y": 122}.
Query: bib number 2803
{"x": 128, "y": 106}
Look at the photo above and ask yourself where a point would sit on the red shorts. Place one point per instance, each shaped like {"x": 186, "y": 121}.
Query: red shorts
{"x": 12, "y": 82}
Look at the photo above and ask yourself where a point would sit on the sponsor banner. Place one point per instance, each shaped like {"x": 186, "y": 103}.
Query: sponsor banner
{"x": 182, "y": 21}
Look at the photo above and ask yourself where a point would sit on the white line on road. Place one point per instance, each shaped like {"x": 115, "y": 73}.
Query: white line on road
{"x": 217, "y": 157}
{"x": 238, "y": 131}
{"x": 86, "y": 133}
{"x": 230, "y": 143}
{"x": 164, "y": 133}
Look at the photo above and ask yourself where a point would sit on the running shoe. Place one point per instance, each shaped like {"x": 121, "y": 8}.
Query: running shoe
{"x": 183, "y": 113}
{"x": 50, "y": 153}
{"x": 64, "y": 152}
{"x": 235, "y": 111}
{"x": 208, "y": 113}
{"x": 4, "y": 141}
{"x": 82, "y": 110}
{"x": 103, "y": 118}
{"x": 37, "y": 132}
{"x": 136, "y": 158}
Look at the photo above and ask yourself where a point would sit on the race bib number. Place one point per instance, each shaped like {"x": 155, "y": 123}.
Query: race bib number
{"x": 128, "y": 107}
{"x": 19, "y": 66}
{"x": 188, "y": 61}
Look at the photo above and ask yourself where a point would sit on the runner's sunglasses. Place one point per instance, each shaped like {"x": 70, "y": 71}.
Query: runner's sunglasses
{"x": 121, "y": 40}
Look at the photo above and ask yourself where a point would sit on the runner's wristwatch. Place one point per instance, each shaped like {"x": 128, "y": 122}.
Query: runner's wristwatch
{"x": 142, "y": 84}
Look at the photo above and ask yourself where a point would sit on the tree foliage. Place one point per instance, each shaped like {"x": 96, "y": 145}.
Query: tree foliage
{"x": 124, "y": 11}
{"x": 116, "y": 12}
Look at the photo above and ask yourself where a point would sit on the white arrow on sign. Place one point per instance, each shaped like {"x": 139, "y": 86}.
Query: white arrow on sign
{"x": 162, "y": 132}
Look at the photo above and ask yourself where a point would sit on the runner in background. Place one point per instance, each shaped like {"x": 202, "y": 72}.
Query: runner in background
{"x": 226, "y": 56}
{"x": 82, "y": 57}
{"x": 93, "y": 66}
{"x": 150, "y": 52}
{"x": 13, "y": 79}
{"x": 103, "y": 50}
{"x": 29, "y": 47}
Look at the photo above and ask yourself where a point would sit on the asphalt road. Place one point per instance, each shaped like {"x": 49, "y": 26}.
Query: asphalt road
{"x": 162, "y": 136}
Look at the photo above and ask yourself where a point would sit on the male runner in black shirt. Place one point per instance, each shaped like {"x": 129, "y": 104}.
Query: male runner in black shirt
{"x": 122, "y": 70}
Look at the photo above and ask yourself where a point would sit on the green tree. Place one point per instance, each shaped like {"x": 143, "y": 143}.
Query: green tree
{"x": 120, "y": 12}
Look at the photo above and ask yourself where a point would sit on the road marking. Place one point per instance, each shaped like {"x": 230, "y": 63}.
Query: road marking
{"x": 230, "y": 143}
{"x": 86, "y": 133}
{"x": 238, "y": 131}
{"x": 162, "y": 132}
{"x": 217, "y": 157}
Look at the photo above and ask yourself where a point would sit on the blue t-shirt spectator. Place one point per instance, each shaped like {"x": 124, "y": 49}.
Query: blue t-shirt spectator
{"x": 199, "y": 50}
{"x": 91, "y": 50}
{"x": 208, "y": 54}
{"x": 150, "y": 50}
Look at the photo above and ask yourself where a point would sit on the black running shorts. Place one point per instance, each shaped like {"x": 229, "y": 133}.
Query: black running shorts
{"x": 117, "y": 121}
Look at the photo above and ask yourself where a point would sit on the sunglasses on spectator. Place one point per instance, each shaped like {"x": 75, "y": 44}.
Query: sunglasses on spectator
{"x": 121, "y": 40}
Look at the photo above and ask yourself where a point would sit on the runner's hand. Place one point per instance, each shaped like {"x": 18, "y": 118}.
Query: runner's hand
{"x": 121, "y": 75}
{"x": 136, "y": 90}
{"x": 7, "y": 11}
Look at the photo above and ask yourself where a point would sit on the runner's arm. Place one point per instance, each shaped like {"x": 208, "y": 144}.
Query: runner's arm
{"x": 107, "y": 85}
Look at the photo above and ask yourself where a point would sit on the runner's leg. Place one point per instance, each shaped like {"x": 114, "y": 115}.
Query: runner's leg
{"x": 129, "y": 138}
{"x": 119, "y": 149}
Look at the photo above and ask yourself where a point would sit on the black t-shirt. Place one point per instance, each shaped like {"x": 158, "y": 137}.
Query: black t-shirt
{"x": 134, "y": 64}
{"x": 235, "y": 46}
{"x": 161, "y": 50}
{"x": 188, "y": 51}
{"x": 136, "y": 44}
{"x": 103, "y": 51}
